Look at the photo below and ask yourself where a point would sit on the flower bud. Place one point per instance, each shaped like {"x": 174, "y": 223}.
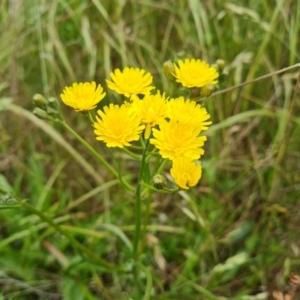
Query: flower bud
{"x": 52, "y": 112}
{"x": 40, "y": 101}
{"x": 168, "y": 69}
{"x": 220, "y": 64}
{"x": 159, "y": 181}
{"x": 42, "y": 114}
{"x": 53, "y": 103}
{"x": 207, "y": 90}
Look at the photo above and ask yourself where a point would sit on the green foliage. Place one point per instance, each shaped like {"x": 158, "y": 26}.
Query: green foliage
{"x": 237, "y": 231}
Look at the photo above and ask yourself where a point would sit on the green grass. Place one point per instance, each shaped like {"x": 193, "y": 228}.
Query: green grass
{"x": 234, "y": 236}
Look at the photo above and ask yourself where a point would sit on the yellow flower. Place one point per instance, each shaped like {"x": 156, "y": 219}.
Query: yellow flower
{"x": 132, "y": 81}
{"x": 175, "y": 140}
{"x": 152, "y": 110}
{"x": 195, "y": 73}
{"x": 185, "y": 172}
{"x": 188, "y": 111}
{"x": 82, "y": 96}
{"x": 117, "y": 126}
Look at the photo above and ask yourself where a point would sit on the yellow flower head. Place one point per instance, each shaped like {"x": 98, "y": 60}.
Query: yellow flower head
{"x": 195, "y": 73}
{"x": 83, "y": 96}
{"x": 131, "y": 81}
{"x": 175, "y": 140}
{"x": 189, "y": 112}
{"x": 185, "y": 172}
{"x": 152, "y": 110}
{"x": 117, "y": 125}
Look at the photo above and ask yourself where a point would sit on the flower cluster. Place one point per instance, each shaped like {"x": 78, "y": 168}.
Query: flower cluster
{"x": 178, "y": 139}
{"x": 174, "y": 126}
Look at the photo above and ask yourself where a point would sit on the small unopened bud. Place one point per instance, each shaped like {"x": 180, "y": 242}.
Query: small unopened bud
{"x": 40, "y": 101}
{"x": 169, "y": 69}
{"x": 42, "y": 114}
{"x": 159, "y": 181}
{"x": 52, "y": 112}
{"x": 53, "y": 103}
{"x": 220, "y": 64}
{"x": 207, "y": 90}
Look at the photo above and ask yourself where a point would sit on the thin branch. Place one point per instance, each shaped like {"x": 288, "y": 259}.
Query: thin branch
{"x": 252, "y": 81}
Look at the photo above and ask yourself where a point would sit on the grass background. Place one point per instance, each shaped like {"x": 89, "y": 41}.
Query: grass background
{"x": 234, "y": 236}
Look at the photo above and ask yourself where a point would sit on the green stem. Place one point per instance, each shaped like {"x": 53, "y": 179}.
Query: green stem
{"x": 162, "y": 166}
{"x": 249, "y": 82}
{"x": 153, "y": 189}
{"x": 41, "y": 50}
{"x": 149, "y": 284}
{"x": 146, "y": 217}
{"x": 97, "y": 156}
{"x": 138, "y": 203}
{"x": 131, "y": 154}
{"x": 91, "y": 117}
{"x": 72, "y": 240}
{"x": 136, "y": 147}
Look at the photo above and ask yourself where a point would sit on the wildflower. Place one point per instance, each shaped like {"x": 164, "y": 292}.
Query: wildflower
{"x": 132, "y": 81}
{"x": 152, "y": 110}
{"x": 185, "y": 172}
{"x": 188, "y": 111}
{"x": 117, "y": 125}
{"x": 176, "y": 140}
{"x": 83, "y": 96}
{"x": 195, "y": 73}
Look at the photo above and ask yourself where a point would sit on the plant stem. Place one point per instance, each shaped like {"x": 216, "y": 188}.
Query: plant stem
{"x": 162, "y": 166}
{"x": 131, "y": 154}
{"x": 138, "y": 203}
{"x": 146, "y": 217}
{"x": 147, "y": 295}
{"x": 91, "y": 117}
{"x": 42, "y": 50}
{"x": 97, "y": 156}
{"x": 250, "y": 81}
